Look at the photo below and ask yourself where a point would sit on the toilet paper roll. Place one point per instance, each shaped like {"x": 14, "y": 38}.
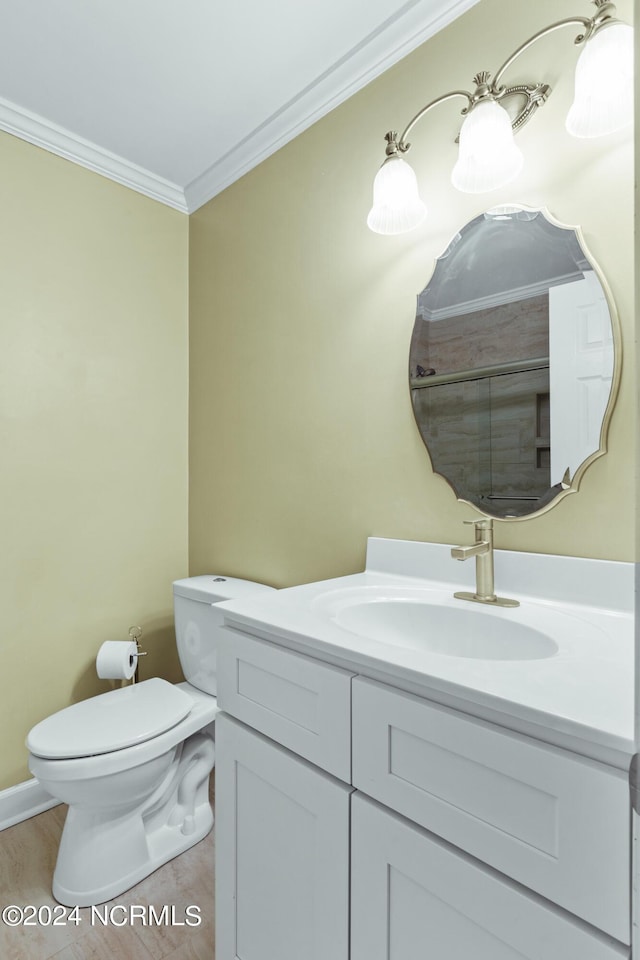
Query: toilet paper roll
{"x": 117, "y": 660}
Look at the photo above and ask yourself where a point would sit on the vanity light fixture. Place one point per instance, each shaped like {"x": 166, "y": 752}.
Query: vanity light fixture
{"x": 488, "y": 156}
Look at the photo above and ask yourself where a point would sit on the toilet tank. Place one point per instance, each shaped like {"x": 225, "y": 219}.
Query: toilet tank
{"x": 198, "y": 623}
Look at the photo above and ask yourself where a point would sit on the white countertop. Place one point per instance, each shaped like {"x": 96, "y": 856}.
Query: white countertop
{"x": 580, "y": 698}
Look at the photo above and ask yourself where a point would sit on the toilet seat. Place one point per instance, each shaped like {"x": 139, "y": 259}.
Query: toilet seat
{"x": 204, "y": 709}
{"x": 110, "y": 721}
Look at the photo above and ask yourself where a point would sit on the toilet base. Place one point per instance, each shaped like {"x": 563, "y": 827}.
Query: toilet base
{"x": 102, "y": 853}
{"x": 166, "y": 844}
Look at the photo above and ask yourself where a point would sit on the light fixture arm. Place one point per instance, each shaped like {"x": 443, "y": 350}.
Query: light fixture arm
{"x": 402, "y": 144}
{"x": 605, "y": 13}
{"x": 572, "y": 21}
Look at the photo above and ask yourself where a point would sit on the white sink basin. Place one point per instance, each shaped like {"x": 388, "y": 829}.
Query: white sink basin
{"x": 432, "y": 622}
{"x": 447, "y": 631}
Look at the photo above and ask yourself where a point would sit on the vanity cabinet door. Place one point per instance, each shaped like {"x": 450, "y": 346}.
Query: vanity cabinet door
{"x": 282, "y": 853}
{"x": 413, "y": 896}
{"x": 553, "y": 821}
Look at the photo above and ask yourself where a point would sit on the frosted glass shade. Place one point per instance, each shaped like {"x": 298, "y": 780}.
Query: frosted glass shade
{"x": 488, "y": 157}
{"x": 604, "y": 83}
{"x": 397, "y": 207}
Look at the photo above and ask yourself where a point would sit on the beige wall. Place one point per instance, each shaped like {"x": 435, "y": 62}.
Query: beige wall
{"x": 93, "y": 431}
{"x": 303, "y": 441}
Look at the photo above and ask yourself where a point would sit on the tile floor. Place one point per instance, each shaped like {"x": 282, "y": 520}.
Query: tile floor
{"x": 27, "y": 857}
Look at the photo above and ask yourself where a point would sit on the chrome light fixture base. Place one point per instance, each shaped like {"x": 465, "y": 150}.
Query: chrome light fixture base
{"x": 533, "y": 94}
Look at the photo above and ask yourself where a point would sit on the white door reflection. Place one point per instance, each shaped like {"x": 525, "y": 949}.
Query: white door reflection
{"x": 580, "y": 371}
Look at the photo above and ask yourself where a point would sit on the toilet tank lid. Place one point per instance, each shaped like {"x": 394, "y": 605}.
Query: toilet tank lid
{"x": 110, "y": 721}
{"x": 214, "y": 588}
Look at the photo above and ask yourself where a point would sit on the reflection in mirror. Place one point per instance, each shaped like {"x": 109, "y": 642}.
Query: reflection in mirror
{"x": 512, "y": 365}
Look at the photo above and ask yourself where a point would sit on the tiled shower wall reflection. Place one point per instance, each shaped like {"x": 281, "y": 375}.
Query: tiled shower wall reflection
{"x": 488, "y": 435}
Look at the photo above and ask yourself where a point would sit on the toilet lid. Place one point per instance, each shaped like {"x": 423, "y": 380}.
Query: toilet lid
{"x": 110, "y": 721}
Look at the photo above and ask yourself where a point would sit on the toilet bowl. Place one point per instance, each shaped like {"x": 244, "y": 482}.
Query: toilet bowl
{"x": 133, "y": 764}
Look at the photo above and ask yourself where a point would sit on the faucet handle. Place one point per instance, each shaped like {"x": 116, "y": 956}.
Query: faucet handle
{"x": 482, "y": 523}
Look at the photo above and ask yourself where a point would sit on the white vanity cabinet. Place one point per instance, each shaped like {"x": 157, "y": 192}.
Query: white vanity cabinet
{"x": 553, "y": 821}
{"x": 282, "y": 853}
{"x": 356, "y": 821}
{"x": 282, "y": 822}
{"x": 416, "y": 896}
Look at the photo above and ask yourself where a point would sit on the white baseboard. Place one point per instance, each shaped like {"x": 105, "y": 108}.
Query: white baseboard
{"x": 23, "y": 801}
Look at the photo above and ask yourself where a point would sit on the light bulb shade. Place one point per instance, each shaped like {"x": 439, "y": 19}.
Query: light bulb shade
{"x": 604, "y": 83}
{"x": 488, "y": 156}
{"x": 397, "y": 207}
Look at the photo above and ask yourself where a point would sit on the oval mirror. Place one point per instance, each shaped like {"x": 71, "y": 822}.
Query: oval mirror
{"x": 514, "y": 362}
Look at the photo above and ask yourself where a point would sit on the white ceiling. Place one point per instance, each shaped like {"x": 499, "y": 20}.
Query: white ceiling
{"x": 179, "y": 98}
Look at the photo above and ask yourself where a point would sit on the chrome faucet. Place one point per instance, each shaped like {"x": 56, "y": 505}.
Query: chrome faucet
{"x": 482, "y": 550}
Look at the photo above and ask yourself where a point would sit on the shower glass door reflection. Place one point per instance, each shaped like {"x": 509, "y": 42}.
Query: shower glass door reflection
{"x": 490, "y": 436}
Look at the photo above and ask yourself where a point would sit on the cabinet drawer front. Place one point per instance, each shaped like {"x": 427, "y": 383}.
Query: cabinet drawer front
{"x": 414, "y": 896}
{"x": 298, "y": 702}
{"x": 282, "y": 852}
{"x": 554, "y": 822}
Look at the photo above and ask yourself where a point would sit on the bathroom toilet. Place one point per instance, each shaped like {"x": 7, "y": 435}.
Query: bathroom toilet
{"x": 133, "y": 764}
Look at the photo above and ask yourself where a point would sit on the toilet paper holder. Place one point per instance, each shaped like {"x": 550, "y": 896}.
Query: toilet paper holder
{"x": 134, "y": 634}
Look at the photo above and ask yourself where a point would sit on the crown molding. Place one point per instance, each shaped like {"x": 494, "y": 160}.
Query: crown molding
{"x": 43, "y": 133}
{"x": 512, "y": 295}
{"x": 394, "y": 39}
